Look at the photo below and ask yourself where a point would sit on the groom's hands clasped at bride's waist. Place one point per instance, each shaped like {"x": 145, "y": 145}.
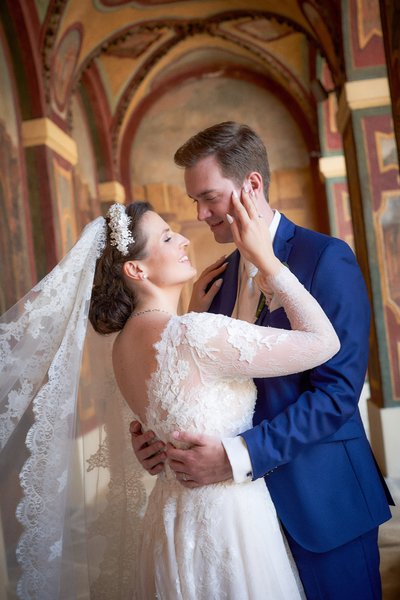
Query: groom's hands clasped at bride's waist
{"x": 202, "y": 463}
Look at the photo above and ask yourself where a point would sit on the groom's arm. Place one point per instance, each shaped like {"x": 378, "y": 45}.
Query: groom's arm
{"x": 334, "y": 388}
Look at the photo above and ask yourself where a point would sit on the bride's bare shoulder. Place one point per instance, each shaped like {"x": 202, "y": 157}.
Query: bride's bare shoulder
{"x": 140, "y": 333}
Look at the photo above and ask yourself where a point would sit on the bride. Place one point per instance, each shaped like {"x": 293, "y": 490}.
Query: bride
{"x": 192, "y": 372}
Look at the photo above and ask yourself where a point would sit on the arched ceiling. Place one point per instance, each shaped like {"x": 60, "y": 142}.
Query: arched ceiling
{"x": 129, "y": 52}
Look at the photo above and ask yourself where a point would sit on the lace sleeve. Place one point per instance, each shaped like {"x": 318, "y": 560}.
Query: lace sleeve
{"x": 230, "y": 347}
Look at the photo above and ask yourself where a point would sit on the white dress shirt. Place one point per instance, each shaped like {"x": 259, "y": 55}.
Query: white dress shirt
{"x": 245, "y": 308}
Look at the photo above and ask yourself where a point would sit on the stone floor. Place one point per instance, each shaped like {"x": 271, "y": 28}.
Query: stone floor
{"x": 389, "y": 543}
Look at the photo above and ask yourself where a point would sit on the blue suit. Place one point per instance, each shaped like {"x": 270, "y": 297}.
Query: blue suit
{"x": 308, "y": 439}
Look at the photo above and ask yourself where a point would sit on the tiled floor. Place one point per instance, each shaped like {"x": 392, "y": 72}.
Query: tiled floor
{"x": 389, "y": 543}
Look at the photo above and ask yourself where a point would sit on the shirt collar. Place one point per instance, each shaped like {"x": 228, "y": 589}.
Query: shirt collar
{"x": 251, "y": 269}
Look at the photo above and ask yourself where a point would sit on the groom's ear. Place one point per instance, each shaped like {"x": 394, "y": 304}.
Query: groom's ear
{"x": 133, "y": 270}
{"x": 256, "y": 182}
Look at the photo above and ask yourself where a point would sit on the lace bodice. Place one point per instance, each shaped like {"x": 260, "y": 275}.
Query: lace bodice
{"x": 194, "y": 388}
{"x": 222, "y": 541}
{"x": 206, "y": 362}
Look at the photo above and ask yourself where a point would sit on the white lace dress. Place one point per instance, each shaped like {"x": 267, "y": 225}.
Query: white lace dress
{"x": 222, "y": 541}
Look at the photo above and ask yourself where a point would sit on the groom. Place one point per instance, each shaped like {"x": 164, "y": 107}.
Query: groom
{"x": 308, "y": 440}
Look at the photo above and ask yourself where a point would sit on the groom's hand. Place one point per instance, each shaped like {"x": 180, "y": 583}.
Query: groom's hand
{"x": 203, "y": 463}
{"x": 149, "y": 451}
{"x": 202, "y": 295}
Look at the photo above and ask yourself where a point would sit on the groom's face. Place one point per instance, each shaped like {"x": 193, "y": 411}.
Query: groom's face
{"x": 212, "y": 193}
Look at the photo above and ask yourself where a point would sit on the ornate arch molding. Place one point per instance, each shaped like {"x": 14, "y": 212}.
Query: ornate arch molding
{"x": 99, "y": 118}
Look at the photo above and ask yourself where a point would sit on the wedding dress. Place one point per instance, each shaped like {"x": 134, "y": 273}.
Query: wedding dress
{"x": 72, "y": 495}
{"x": 222, "y": 541}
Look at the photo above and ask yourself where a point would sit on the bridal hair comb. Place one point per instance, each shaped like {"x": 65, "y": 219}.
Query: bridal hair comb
{"x": 119, "y": 221}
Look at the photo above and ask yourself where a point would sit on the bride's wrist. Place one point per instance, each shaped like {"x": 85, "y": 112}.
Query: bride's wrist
{"x": 271, "y": 268}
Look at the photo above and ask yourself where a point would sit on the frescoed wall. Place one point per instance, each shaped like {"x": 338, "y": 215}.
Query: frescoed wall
{"x": 85, "y": 176}
{"x": 17, "y": 274}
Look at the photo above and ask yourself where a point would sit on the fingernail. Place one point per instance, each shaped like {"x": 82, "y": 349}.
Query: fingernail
{"x": 175, "y": 435}
{"x": 229, "y": 219}
{"x": 218, "y": 283}
{"x": 248, "y": 189}
{"x": 235, "y": 194}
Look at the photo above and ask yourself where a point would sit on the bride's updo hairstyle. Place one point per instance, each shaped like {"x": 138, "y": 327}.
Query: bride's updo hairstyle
{"x": 112, "y": 302}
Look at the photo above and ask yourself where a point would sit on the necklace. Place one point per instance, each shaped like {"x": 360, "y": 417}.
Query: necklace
{"x": 150, "y": 310}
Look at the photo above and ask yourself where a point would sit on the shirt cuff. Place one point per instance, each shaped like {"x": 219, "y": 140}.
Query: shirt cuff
{"x": 238, "y": 456}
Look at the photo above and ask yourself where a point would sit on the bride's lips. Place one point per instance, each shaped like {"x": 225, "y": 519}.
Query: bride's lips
{"x": 184, "y": 259}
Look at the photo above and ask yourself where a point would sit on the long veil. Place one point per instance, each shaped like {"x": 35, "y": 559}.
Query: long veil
{"x": 71, "y": 492}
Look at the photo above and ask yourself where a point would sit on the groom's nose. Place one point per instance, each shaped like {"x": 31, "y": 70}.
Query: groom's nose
{"x": 203, "y": 211}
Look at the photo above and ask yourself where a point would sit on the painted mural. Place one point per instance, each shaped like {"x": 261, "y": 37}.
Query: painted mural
{"x": 383, "y": 179}
{"x": 65, "y": 207}
{"x": 390, "y": 14}
{"x": 85, "y": 179}
{"x": 16, "y": 274}
{"x": 64, "y": 62}
{"x": 363, "y": 34}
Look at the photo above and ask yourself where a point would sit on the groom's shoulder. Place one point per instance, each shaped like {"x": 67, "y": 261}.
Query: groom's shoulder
{"x": 316, "y": 240}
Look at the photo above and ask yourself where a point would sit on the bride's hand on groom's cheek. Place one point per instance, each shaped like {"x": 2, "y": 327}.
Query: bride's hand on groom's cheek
{"x": 149, "y": 451}
{"x": 203, "y": 463}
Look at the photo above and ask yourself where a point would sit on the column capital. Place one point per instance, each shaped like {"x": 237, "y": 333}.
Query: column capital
{"x": 38, "y": 132}
{"x": 360, "y": 94}
{"x": 332, "y": 166}
{"x": 112, "y": 191}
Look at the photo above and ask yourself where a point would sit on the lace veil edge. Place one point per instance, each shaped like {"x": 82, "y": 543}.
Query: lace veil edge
{"x": 71, "y": 492}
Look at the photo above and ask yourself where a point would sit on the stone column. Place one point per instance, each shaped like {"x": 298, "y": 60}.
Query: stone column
{"x": 109, "y": 193}
{"x": 51, "y": 155}
{"x": 365, "y": 122}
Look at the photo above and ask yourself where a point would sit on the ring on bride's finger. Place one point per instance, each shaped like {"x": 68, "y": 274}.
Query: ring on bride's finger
{"x": 184, "y": 477}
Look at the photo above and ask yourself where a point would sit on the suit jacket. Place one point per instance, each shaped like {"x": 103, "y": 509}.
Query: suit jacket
{"x": 308, "y": 439}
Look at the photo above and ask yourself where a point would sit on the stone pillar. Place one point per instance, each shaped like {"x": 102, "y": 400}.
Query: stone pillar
{"x": 51, "y": 155}
{"x": 365, "y": 122}
{"x": 109, "y": 193}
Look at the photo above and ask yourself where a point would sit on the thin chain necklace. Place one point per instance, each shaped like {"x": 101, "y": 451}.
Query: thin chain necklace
{"x": 150, "y": 310}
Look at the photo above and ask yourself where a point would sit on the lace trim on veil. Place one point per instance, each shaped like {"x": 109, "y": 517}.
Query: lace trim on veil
{"x": 69, "y": 507}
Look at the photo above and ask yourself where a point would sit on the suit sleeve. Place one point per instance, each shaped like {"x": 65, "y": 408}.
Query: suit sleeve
{"x": 334, "y": 388}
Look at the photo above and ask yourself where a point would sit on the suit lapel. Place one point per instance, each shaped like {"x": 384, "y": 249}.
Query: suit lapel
{"x": 224, "y": 301}
{"x": 282, "y": 241}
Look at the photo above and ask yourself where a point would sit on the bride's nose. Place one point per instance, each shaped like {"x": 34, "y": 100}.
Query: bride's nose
{"x": 184, "y": 242}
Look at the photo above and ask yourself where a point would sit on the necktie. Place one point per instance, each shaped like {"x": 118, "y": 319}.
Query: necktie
{"x": 249, "y": 293}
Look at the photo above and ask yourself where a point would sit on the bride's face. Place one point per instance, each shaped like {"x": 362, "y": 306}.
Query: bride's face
{"x": 167, "y": 262}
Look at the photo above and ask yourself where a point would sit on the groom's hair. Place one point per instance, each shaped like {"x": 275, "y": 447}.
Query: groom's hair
{"x": 237, "y": 149}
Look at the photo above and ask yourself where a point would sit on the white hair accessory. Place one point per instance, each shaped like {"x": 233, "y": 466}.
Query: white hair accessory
{"x": 119, "y": 221}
